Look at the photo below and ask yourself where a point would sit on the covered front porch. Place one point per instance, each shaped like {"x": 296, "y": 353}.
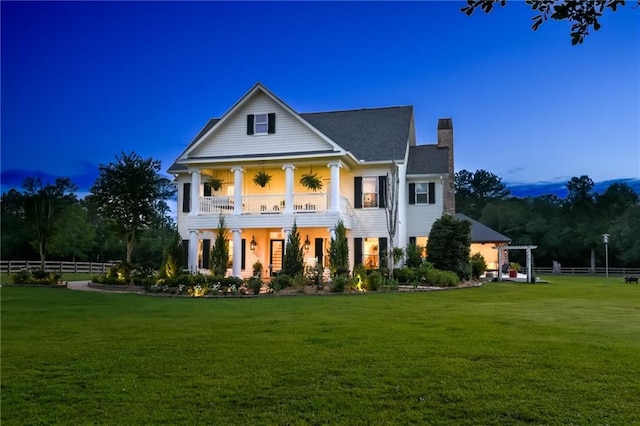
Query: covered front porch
{"x": 258, "y": 251}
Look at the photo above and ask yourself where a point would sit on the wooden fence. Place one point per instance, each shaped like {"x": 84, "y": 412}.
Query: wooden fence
{"x": 585, "y": 270}
{"x": 13, "y": 266}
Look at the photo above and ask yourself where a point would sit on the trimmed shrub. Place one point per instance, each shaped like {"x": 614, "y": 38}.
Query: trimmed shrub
{"x": 374, "y": 281}
{"x": 255, "y": 285}
{"x": 478, "y": 265}
{"x": 405, "y": 275}
{"x": 280, "y": 282}
{"x": 37, "y": 276}
{"x": 413, "y": 254}
{"x": 339, "y": 284}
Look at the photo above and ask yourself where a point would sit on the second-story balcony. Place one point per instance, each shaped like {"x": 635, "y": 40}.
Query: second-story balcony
{"x": 266, "y": 204}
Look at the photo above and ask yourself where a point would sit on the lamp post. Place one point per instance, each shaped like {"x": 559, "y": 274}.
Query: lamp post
{"x": 605, "y": 240}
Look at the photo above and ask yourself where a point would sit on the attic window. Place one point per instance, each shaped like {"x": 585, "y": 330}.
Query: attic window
{"x": 261, "y": 124}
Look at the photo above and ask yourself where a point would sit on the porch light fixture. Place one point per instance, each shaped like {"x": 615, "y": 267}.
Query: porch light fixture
{"x": 307, "y": 244}
{"x": 253, "y": 244}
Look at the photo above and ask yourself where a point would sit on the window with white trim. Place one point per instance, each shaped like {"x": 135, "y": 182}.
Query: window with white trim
{"x": 422, "y": 193}
{"x": 261, "y": 124}
{"x": 370, "y": 191}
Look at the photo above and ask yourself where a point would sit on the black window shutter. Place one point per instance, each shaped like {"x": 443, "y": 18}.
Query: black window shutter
{"x": 243, "y": 258}
{"x": 318, "y": 250}
{"x": 357, "y": 251}
{"x": 412, "y": 193}
{"x": 432, "y": 193}
{"x": 271, "y": 117}
{"x": 250, "y": 118}
{"x": 412, "y": 240}
{"x": 357, "y": 191}
{"x": 382, "y": 242}
{"x": 186, "y": 197}
{"x": 206, "y": 249}
{"x": 185, "y": 252}
{"x": 382, "y": 191}
{"x": 207, "y": 189}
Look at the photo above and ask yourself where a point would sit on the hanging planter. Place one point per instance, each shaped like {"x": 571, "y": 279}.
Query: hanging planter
{"x": 215, "y": 183}
{"x": 262, "y": 178}
{"x": 311, "y": 181}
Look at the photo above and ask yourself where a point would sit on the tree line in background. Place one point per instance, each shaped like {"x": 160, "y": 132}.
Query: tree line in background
{"x": 566, "y": 230}
{"x": 125, "y": 216}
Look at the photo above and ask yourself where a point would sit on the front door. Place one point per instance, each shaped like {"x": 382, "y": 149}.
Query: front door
{"x": 275, "y": 256}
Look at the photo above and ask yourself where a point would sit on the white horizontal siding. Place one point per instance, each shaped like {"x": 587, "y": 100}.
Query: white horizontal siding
{"x": 420, "y": 217}
{"x": 231, "y": 138}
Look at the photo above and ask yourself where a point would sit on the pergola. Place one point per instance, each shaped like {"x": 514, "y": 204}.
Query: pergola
{"x": 528, "y": 248}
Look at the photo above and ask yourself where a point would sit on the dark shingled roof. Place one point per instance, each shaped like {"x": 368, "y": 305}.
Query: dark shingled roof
{"x": 481, "y": 233}
{"x": 428, "y": 159}
{"x": 378, "y": 134}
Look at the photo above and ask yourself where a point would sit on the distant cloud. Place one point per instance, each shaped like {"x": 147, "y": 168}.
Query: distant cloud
{"x": 84, "y": 179}
{"x": 559, "y": 187}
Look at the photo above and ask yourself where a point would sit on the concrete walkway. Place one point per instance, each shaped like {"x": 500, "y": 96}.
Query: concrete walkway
{"x": 84, "y": 286}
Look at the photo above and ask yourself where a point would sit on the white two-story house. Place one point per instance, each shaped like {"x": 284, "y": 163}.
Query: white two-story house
{"x": 351, "y": 152}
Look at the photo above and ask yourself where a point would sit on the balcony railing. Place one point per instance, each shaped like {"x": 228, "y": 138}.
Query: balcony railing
{"x": 266, "y": 204}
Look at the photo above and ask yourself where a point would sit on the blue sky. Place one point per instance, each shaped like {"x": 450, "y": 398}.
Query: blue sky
{"x": 82, "y": 82}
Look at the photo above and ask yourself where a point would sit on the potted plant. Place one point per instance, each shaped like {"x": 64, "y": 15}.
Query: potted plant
{"x": 513, "y": 270}
{"x": 311, "y": 181}
{"x": 216, "y": 183}
{"x": 262, "y": 178}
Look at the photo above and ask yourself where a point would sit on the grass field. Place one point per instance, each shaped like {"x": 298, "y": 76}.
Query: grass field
{"x": 567, "y": 352}
{"x": 67, "y": 276}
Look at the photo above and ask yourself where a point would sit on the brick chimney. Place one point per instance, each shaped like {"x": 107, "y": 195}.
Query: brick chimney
{"x": 445, "y": 141}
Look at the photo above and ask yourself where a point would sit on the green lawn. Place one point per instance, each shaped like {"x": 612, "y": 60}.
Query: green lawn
{"x": 567, "y": 352}
{"x": 67, "y": 276}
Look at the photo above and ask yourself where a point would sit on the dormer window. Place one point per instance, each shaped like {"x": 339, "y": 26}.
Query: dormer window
{"x": 261, "y": 124}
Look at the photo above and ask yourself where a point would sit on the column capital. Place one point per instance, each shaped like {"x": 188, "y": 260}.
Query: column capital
{"x": 288, "y": 166}
{"x": 336, "y": 163}
{"x": 237, "y": 169}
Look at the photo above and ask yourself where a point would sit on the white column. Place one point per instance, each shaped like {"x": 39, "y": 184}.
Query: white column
{"x": 332, "y": 233}
{"x": 529, "y": 264}
{"x": 401, "y": 235}
{"x": 286, "y": 232}
{"x": 193, "y": 251}
{"x": 195, "y": 192}
{"x": 237, "y": 252}
{"x": 237, "y": 190}
{"x": 288, "y": 184}
{"x": 499, "y": 263}
{"x": 335, "y": 185}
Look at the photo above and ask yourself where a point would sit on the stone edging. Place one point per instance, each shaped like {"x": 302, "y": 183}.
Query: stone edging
{"x": 123, "y": 288}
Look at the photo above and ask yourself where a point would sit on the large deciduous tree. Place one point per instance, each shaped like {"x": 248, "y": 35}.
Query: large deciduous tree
{"x": 15, "y": 236}
{"x": 43, "y": 205}
{"x": 391, "y": 213}
{"x": 74, "y": 234}
{"x": 475, "y": 190}
{"x": 128, "y": 193}
{"x": 583, "y": 15}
